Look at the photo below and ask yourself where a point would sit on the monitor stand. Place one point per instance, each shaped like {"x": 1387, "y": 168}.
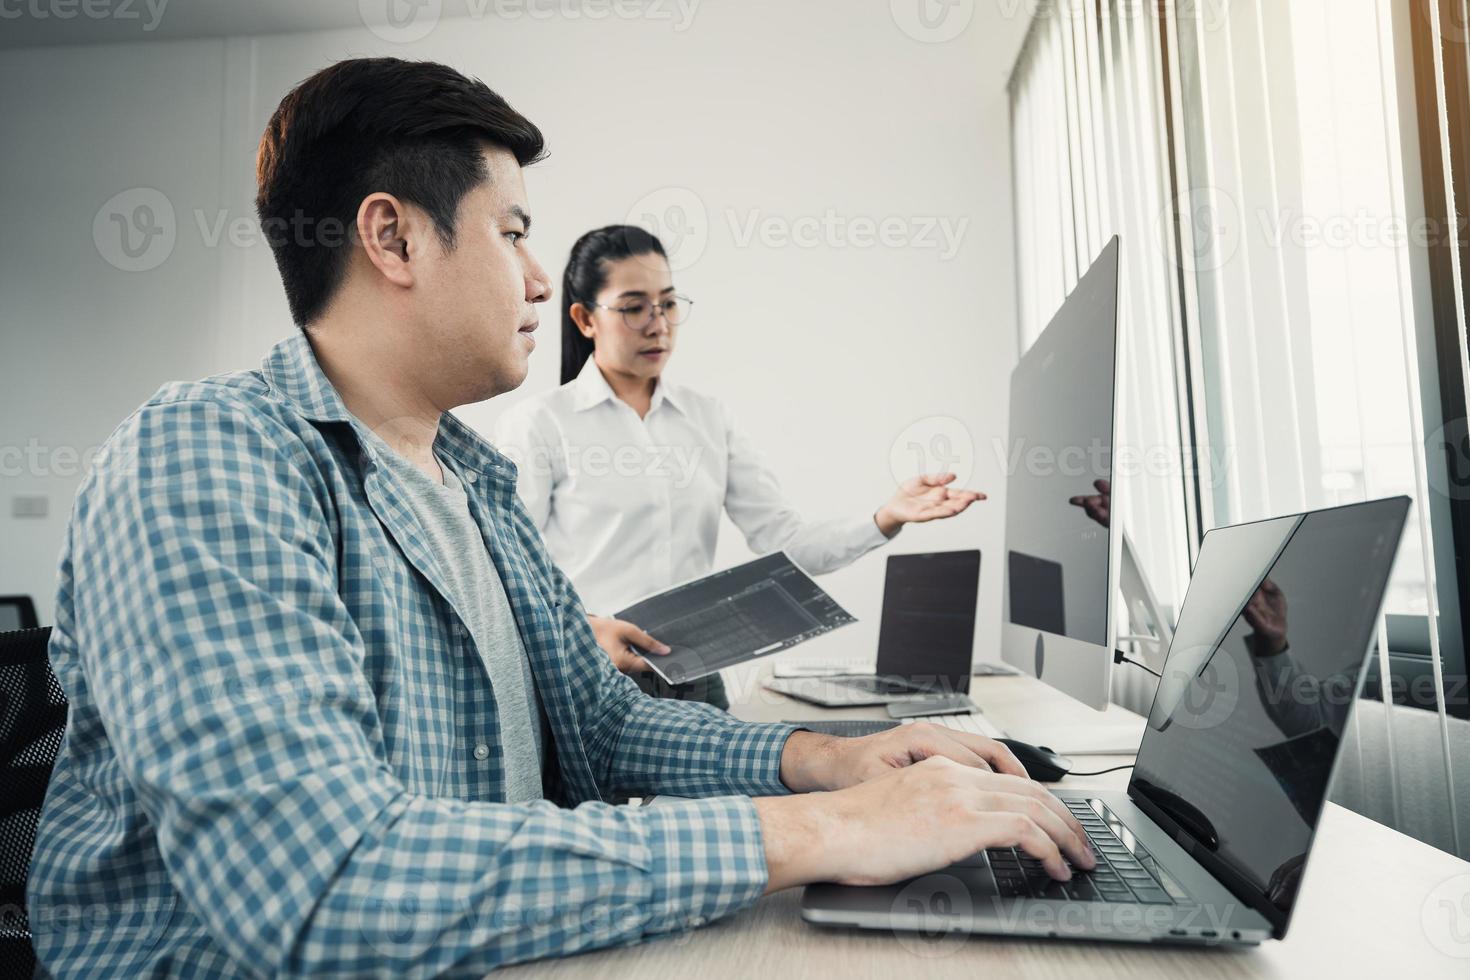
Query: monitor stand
{"x": 1116, "y": 730}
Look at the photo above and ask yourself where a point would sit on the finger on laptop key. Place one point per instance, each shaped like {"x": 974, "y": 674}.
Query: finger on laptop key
{"x": 1072, "y": 842}
{"x": 1027, "y": 835}
{"x": 1034, "y": 791}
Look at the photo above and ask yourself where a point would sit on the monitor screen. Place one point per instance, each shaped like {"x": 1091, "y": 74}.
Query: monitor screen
{"x": 1257, "y": 687}
{"x": 1059, "y": 465}
{"x": 928, "y": 629}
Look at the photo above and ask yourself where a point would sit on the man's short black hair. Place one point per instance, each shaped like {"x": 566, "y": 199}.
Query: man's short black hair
{"x": 413, "y": 129}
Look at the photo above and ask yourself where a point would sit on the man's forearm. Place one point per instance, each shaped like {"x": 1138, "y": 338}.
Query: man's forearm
{"x": 795, "y": 831}
{"x": 806, "y": 762}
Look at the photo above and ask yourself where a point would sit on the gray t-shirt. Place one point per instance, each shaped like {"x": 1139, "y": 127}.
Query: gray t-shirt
{"x": 479, "y": 595}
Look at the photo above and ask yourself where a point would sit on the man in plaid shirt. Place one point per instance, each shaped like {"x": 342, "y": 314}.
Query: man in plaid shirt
{"x": 292, "y": 749}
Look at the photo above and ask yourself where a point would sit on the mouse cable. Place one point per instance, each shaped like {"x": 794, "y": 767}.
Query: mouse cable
{"x": 1119, "y": 657}
{"x": 1101, "y": 772}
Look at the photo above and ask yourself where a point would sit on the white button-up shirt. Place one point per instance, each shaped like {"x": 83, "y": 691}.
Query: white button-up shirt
{"x": 631, "y": 506}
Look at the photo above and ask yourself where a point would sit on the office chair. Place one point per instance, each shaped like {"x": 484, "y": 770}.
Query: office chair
{"x": 32, "y": 722}
{"x": 17, "y": 612}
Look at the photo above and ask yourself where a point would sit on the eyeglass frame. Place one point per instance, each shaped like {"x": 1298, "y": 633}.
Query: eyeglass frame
{"x": 658, "y": 309}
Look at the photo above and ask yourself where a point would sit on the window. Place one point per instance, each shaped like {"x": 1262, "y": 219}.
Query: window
{"x": 1285, "y": 179}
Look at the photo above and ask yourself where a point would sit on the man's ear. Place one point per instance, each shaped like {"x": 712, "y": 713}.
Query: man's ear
{"x": 386, "y": 231}
{"x": 582, "y": 317}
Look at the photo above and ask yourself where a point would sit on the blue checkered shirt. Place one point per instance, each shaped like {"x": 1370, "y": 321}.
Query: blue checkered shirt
{"x": 283, "y": 752}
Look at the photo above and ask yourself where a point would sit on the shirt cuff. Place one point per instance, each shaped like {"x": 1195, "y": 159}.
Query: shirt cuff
{"x": 751, "y": 759}
{"x": 1273, "y": 664}
{"x": 866, "y": 535}
{"x": 708, "y": 860}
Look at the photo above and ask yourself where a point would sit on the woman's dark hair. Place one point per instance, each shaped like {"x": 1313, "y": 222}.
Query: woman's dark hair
{"x": 413, "y": 129}
{"x": 584, "y": 278}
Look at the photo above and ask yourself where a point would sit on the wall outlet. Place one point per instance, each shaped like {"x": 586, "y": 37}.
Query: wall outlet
{"x": 30, "y": 505}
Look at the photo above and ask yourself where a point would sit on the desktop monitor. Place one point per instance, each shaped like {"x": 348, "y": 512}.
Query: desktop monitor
{"x": 1061, "y": 558}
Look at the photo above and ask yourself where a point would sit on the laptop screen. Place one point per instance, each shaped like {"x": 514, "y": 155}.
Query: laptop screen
{"x": 928, "y": 629}
{"x": 1264, "y": 667}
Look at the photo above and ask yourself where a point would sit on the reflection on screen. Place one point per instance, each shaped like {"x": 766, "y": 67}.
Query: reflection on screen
{"x": 1262, "y": 673}
{"x": 1059, "y": 464}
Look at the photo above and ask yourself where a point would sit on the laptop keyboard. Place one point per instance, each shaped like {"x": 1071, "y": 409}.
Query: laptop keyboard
{"x": 1122, "y": 874}
{"x": 878, "y": 685}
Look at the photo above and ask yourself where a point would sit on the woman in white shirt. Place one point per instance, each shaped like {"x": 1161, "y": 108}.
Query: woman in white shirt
{"x": 627, "y": 475}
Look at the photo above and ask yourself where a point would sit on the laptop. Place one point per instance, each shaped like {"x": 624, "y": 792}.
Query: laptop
{"x": 925, "y": 638}
{"x": 1209, "y": 843}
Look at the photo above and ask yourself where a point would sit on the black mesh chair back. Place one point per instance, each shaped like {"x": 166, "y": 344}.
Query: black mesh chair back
{"x": 32, "y": 722}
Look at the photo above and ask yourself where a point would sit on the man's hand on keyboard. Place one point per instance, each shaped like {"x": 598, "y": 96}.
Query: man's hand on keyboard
{"x": 915, "y": 819}
{"x": 827, "y": 762}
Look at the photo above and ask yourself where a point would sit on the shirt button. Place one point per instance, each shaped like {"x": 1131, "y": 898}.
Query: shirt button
{"x": 471, "y": 476}
{"x": 698, "y": 921}
{"x": 482, "y": 752}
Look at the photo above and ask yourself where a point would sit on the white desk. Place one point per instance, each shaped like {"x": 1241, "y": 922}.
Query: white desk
{"x": 1360, "y": 913}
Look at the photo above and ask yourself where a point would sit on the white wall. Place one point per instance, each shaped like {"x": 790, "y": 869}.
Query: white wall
{"x": 756, "y": 109}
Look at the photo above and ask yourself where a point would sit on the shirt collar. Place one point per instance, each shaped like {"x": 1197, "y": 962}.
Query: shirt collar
{"x": 591, "y": 389}
{"x": 292, "y": 371}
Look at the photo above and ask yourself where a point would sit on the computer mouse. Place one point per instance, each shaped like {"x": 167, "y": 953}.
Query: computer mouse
{"x": 1042, "y": 764}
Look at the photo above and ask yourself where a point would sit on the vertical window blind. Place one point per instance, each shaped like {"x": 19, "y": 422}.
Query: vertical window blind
{"x": 1261, "y": 162}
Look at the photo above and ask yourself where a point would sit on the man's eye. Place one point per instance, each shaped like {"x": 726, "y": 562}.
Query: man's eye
{"x": 515, "y": 237}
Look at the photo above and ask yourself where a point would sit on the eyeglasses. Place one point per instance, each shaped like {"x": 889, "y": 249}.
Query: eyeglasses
{"x": 639, "y": 314}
